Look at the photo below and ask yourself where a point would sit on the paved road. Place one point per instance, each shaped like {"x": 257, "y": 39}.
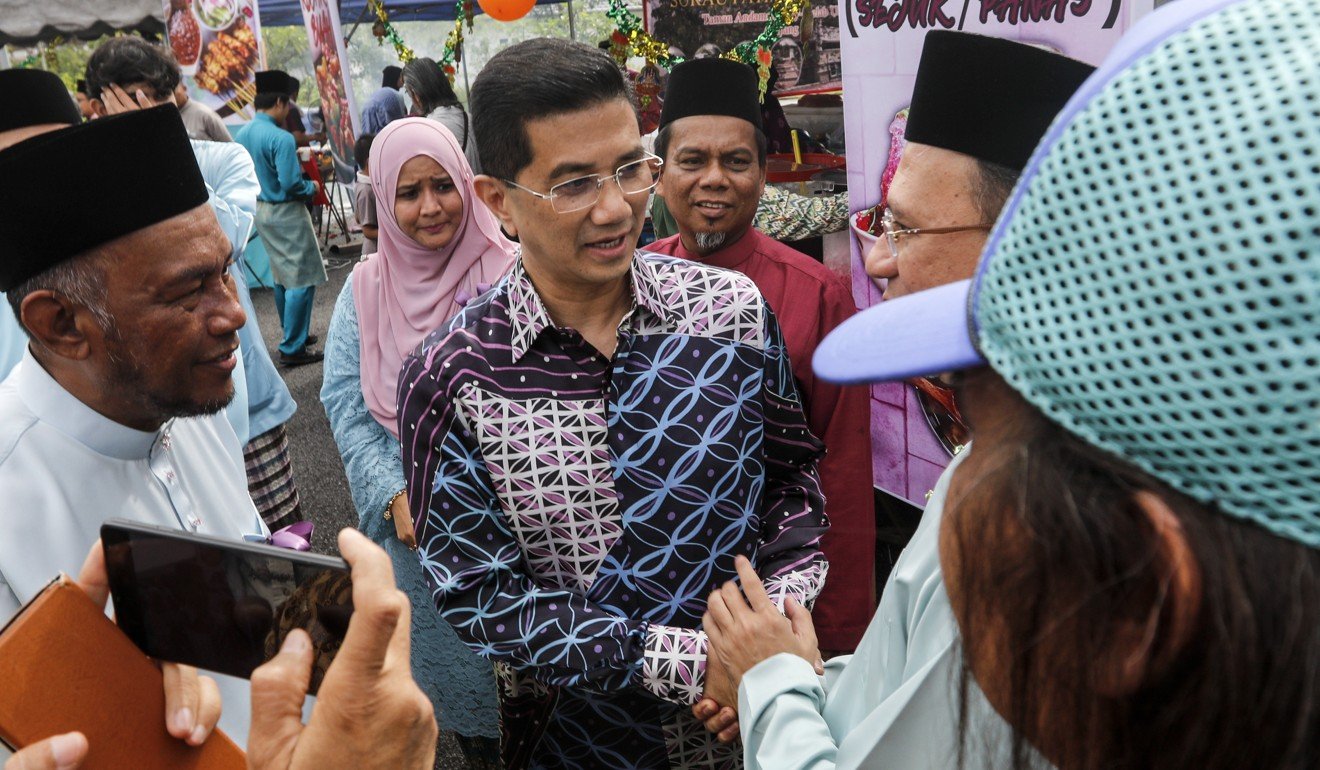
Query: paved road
{"x": 316, "y": 465}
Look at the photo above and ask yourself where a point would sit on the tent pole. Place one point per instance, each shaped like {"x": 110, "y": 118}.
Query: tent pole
{"x": 466, "y": 84}
{"x": 572, "y": 32}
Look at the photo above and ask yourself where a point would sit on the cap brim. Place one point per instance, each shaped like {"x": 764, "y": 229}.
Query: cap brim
{"x": 923, "y": 333}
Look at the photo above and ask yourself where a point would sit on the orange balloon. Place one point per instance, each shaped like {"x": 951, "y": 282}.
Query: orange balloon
{"x": 506, "y": 10}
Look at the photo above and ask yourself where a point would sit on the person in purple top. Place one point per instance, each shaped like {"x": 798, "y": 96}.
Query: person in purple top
{"x": 589, "y": 445}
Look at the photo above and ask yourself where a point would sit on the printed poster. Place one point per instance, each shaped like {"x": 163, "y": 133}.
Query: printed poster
{"x": 881, "y": 44}
{"x": 218, "y": 46}
{"x": 326, "y": 49}
{"x": 806, "y": 55}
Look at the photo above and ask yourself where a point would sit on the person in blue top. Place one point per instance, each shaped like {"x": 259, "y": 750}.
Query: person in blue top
{"x": 282, "y": 219}
{"x": 386, "y": 105}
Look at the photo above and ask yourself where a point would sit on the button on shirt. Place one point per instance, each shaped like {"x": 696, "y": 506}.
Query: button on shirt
{"x": 574, "y": 512}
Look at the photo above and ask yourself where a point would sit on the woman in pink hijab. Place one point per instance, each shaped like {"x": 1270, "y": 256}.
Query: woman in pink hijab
{"x": 438, "y": 247}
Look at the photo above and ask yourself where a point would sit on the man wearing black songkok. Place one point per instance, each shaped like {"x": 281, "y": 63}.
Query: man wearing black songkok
{"x": 979, "y": 108}
{"x": 713, "y": 179}
{"x": 133, "y": 320}
{"x": 282, "y": 219}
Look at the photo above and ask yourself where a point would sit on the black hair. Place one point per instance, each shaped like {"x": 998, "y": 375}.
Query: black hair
{"x": 429, "y": 85}
{"x": 389, "y": 77}
{"x": 663, "y": 138}
{"x": 125, "y": 60}
{"x": 268, "y": 100}
{"x": 294, "y": 86}
{"x": 536, "y": 79}
{"x": 362, "y": 150}
{"x": 991, "y": 187}
{"x": 1242, "y": 689}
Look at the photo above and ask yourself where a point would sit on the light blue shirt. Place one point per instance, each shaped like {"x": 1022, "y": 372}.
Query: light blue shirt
{"x": 65, "y": 468}
{"x": 13, "y": 340}
{"x": 893, "y": 704}
{"x": 264, "y": 402}
{"x": 382, "y": 108}
{"x": 275, "y": 154}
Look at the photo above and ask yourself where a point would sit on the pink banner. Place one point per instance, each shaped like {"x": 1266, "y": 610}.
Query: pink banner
{"x": 218, "y": 46}
{"x": 881, "y": 44}
{"x": 326, "y": 49}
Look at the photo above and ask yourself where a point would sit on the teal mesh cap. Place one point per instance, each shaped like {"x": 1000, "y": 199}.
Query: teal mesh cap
{"x": 1153, "y": 284}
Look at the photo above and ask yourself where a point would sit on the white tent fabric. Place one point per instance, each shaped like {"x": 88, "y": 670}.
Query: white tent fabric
{"x": 24, "y": 22}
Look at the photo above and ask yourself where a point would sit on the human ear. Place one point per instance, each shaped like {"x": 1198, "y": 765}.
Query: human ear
{"x": 494, "y": 194}
{"x": 1144, "y": 647}
{"x": 58, "y": 324}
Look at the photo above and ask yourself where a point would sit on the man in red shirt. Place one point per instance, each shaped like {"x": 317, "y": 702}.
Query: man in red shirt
{"x": 715, "y": 157}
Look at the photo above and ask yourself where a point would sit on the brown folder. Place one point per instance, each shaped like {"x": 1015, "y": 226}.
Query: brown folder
{"x": 65, "y": 666}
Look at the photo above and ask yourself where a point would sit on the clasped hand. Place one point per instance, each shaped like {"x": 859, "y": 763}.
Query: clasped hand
{"x": 744, "y": 627}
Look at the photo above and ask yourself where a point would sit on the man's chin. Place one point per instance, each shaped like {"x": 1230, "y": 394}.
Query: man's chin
{"x": 710, "y": 241}
{"x": 200, "y": 407}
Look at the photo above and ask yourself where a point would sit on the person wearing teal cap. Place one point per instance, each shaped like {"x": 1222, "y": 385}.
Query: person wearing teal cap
{"x": 1131, "y": 547}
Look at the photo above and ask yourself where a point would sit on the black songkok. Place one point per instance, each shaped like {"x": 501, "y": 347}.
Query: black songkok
{"x": 273, "y": 82}
{"x": 712, "y": 87}
{"x": 43, "y": 224}
{"x": 989, "y": 98}
{"x": 34, "y": 98}
{"x": 390, "y": 77}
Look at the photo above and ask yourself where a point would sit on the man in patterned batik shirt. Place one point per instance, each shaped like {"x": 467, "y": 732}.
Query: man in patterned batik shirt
{"x": 591, "y": 443}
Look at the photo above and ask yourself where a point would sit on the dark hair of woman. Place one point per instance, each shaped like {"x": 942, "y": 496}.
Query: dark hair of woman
{"x": 1059, "y": 566}
{"x": 429, "y": 86}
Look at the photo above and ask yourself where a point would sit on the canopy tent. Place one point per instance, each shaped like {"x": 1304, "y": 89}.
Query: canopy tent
{"x": 288, "y": 13}
{"x": 26, "y": 22}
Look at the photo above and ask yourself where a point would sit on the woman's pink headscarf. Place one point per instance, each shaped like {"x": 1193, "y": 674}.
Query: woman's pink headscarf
{"x": 406, "y": 291}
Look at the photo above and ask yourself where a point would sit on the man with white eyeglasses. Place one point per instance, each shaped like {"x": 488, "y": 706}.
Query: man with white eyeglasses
{"x": 590, "y": 444}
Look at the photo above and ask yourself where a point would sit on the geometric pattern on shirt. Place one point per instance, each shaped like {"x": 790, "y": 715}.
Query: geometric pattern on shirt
{"x": 675, "y": 666}
{"x": 705, "y": 416}
{"x": 803, "y": 585}
{"x": 690, "y": 744}
{"x": 706, "y": 302}
{"x": 549, "y": 463}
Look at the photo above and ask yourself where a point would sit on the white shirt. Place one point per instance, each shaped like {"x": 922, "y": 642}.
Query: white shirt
{"x": 892, "y": 704}
{"x": 65, "y": 468}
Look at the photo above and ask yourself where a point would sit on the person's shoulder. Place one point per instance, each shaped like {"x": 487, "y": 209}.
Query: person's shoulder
{"x": 680, "y": 277}
{"x": 706, "y": 301}
{"x": 665, "y": 246}
{"x": 227, "y": 152}
{"x": 16, "y": 419}
{"x": 794, "y": 262}
{"x": 469, "y": 339}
